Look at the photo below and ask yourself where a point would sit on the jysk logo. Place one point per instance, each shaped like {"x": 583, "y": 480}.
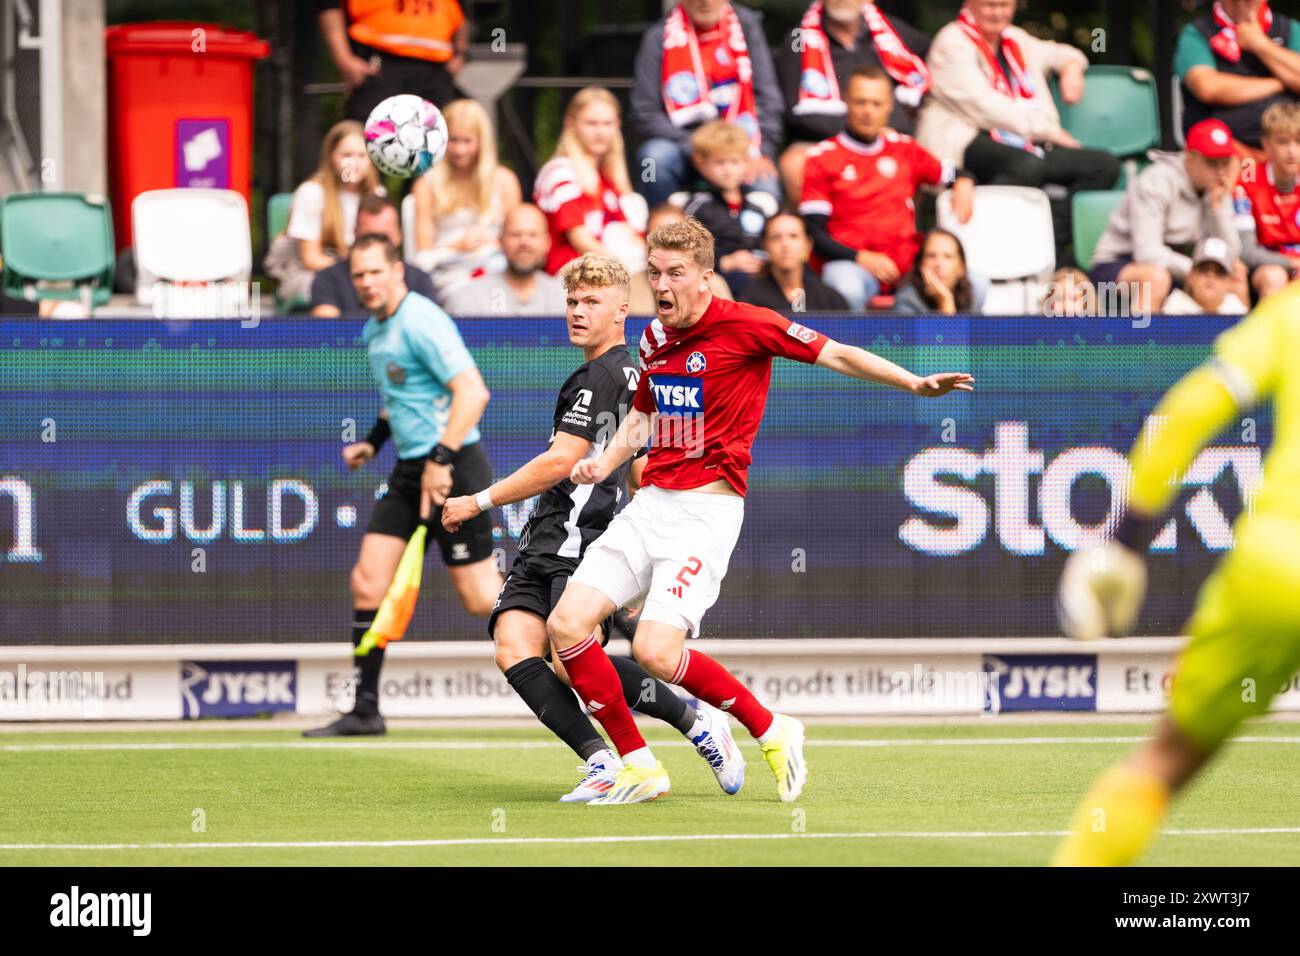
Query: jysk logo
{"x": 678, "y": 394}
{"x": 1040, "y": 682}
{"x": 237, "y": 688}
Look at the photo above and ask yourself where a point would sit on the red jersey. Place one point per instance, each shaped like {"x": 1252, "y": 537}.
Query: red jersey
{"x": 709, "y": 385}
{"x": 1274, "y": 215}
{"x": 867, "y": 192}
{"x": 559, "y": 195}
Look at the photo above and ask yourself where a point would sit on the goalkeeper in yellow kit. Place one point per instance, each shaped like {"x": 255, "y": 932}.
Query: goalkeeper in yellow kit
{"x": 1245, "y": 631}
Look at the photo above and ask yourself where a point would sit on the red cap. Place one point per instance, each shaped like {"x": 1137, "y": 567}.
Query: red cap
{"x": 1211, "y": 138}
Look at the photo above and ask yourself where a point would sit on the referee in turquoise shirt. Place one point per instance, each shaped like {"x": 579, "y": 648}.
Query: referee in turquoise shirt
{"x": 433, "y": 398}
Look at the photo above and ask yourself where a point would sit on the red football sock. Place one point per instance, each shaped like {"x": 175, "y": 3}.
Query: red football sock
{"x": 711, "y": 682}
{"x": 597, "y": 683}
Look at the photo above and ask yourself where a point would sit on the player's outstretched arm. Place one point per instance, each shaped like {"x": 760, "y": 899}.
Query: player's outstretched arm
{"x": 851, "y": 361}
{"x": 630, "y": 437}
{"x": 544, "y": 471}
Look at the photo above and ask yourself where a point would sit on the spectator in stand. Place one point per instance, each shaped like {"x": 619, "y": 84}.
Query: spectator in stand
{"x": 786, "y": 284}
{"x": 1069, "y": 295}
{"x": 733, "y": 212}
{"x": 332, "y": 291}
{"x": 382, "y": 48}
{"x": 858, "y": 191}
{"x": 706, "y": 59}
{"x": 461, "y": 202}
{"x": 585, "y": 191}
{"x": 938, "y": 283}
{"x": 1208, "y": 284}
{"x": 323, "y": 213}
{"x": 523, "y": 288}
{"x": 834, "y": 38}
{"x": 1180, "y": 199}
{"x": 1236, "y": 60}
{"x": 990, "y": 108}
{"x": 641, "y": 300}
{"x": 1268, "y": 205}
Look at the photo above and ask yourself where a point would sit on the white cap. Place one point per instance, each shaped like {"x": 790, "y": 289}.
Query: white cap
{"x": 1212, "y": 249}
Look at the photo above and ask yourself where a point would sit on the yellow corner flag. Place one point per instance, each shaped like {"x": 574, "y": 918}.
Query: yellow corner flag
{"x": 398, "y": 606}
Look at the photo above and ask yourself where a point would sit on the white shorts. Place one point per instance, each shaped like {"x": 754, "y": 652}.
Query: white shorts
{"x": 670, "y": 548}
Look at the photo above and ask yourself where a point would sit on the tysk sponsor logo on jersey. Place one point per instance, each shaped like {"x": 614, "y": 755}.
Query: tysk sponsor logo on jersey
{"x": 678, "y": 394}
{"x": 236, "y": 688}
{"x": 1040, "y": 682}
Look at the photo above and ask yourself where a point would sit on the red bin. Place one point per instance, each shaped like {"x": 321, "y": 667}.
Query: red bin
{"x": 180, "y": 110}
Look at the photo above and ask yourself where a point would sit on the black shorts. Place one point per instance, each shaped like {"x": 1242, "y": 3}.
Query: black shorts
{"x": 534, "y": 584}
{"x": 398, "y": 512}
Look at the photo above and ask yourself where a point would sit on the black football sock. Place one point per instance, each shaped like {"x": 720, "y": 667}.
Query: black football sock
{"x": 368, "y": 667}
{"x": 652, "y": 697}
{"x": 555, "y": 705}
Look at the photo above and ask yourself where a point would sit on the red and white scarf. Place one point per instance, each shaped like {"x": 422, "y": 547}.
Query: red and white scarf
{"x": 686, "y": 86}
{"x": 819, "y": 90}
{"x": 1019, "y": 83}
{"x": 1225, "y": 42}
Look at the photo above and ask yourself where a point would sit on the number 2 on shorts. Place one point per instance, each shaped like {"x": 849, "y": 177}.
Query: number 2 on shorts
{"x": 688, "y": 569}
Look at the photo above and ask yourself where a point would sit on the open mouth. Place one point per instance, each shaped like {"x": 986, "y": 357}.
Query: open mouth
{"x": 665, "y": 306}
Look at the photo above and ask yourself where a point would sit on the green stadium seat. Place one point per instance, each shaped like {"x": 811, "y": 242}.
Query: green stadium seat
{"x": 1090, "y": 212}
{"x": 1119, "y": 112}
{"x": 277, "y": 217}
{"x": 57, "y": 246}
{"x": 277, "y": 214}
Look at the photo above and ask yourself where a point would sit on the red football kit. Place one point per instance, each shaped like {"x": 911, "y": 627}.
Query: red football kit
{"x": 866, "y": 191}
{"x": 1275, "y": 215}
{"x": 709, "y": 385}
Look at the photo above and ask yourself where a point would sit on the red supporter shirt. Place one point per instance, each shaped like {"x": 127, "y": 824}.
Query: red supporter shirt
{"x": 709, "y": 385}
{"x": 1274, "y": 215}
{"x": 559, "y": 195}
{"x": 867, "y": 192}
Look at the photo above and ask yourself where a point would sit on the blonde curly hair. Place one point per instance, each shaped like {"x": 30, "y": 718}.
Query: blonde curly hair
{"x": 590, "y": 271}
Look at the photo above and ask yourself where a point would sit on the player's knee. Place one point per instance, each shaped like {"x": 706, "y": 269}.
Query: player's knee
{"x": 509, "y": 653}
{"x": 565, "y": 627}
{"x": 367, "y": 589}
{"x": 659, "y": 658}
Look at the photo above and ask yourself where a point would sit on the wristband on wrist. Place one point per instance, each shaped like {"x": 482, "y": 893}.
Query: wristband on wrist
{"x": 379, "y": 433}
{"x": 484, "y": 500}
{"x": 442, "y": 455}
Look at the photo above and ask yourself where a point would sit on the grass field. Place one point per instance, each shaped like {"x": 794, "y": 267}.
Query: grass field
{"x": 982, "y": 793}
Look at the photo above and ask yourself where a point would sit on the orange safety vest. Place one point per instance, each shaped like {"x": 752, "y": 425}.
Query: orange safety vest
{"x": 422, "y": 29}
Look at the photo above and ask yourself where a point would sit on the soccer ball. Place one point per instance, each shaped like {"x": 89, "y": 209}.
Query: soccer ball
{"x": 406, "y": 135}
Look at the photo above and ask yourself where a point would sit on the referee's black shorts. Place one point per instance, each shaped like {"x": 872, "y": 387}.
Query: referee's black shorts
{"x": 534, "y": 584}
{"x": 398, "y": 512}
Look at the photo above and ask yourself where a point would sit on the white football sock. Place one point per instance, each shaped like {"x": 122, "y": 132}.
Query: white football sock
{"x": 641, "y": 757}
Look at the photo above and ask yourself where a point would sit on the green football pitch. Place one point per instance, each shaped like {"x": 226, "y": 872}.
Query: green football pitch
{"x": 975, "y": 793}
